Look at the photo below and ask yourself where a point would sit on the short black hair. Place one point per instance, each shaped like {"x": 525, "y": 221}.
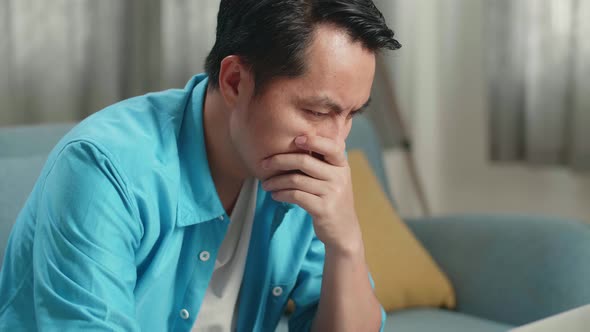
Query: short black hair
{"x": 271, "y": 36}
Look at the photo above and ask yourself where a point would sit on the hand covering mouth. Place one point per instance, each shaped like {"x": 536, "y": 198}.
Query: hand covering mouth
{"x": 311, "y": 153}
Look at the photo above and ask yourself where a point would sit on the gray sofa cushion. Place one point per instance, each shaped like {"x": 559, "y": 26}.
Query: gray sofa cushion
{"x": 423, "y": 320}
{"x": 427, "y": 320}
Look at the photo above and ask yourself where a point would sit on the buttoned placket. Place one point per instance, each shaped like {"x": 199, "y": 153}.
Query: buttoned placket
{"x": 204, "y": 256}
{"x": 278, "y": 218}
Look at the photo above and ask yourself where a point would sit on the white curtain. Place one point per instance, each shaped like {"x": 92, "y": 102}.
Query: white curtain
{"x": 539, "y": 71}
{"x": 62, "y": 60}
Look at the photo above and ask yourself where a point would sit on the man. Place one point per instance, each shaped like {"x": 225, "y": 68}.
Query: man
{"x": 207, "y": 208}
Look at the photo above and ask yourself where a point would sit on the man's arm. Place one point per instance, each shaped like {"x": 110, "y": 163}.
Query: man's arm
{"x": 324, "y": 189}
{"x": 84, "y": 249}
{"x": 347, "y": 301}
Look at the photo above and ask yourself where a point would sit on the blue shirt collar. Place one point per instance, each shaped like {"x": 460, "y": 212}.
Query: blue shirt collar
{"x": 199, "y": 200}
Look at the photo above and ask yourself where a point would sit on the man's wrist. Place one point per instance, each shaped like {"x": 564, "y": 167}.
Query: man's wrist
{"x": 352, "y": 248}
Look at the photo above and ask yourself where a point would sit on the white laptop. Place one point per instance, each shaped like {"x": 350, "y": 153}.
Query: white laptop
{"x": 575, "y": 320}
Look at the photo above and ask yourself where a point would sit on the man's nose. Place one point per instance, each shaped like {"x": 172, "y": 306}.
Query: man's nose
{"x": 337, "y": 129}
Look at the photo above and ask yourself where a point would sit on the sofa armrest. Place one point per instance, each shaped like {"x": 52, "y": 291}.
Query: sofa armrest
{"x": 512, "y": 269}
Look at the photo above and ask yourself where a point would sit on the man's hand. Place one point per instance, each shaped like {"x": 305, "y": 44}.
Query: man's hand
{"x": 323, "y": 188}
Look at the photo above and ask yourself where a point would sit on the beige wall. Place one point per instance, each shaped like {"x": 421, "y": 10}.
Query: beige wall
{"x": 442, "y": 89}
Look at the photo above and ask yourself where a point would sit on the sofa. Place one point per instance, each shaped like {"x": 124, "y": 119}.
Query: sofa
{"x": 506, "y": 270}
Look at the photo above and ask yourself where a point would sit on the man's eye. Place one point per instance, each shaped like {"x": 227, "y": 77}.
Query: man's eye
{"x": 316, "y": 114}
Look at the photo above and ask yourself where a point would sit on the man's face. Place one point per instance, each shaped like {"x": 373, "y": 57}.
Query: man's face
{"x": 321, "y": 102}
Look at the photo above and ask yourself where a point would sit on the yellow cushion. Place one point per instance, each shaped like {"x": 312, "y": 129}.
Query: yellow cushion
{"x": 405, "y": 274}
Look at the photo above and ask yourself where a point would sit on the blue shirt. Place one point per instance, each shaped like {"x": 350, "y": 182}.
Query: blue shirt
{"x": 122, "y": 230}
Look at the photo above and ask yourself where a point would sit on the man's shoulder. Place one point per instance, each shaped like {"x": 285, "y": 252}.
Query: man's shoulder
{"x": 136, "y": 122}
{"x": 142, "y": 127}
{"x": 134, "y": 134}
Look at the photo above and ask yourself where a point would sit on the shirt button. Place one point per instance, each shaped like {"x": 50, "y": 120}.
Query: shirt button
{"x": 277, "y": 291}
{"x": 221, "y": 218}
{"x": 184, "y": 314}
{"x": 204, "y": 256}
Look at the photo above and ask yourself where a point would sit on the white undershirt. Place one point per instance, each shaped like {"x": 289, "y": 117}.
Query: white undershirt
{"x": 219, "y": 309}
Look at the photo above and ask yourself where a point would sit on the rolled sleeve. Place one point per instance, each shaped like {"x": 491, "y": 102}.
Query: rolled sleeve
{"x": 383, "y": 313}
{"x": 85, "y": 239}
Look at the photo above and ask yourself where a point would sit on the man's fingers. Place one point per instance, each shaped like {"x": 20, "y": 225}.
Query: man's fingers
{"x": 298, "y": 161}
{"x": 295, "y": 181}
{"x": 332, "y": 151}
{"x": 309, "y": 202}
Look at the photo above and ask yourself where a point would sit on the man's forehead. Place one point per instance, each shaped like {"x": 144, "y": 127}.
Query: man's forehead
{"x": 326, "y": 101}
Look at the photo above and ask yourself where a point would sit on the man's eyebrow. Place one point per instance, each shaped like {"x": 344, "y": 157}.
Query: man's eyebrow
{"x": 329, "y": 103}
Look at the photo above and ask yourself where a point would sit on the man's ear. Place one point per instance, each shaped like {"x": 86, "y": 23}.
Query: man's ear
{"x": 233, "y": 80}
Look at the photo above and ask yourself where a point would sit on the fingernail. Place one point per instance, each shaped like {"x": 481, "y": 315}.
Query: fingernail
{"x": 301, "y": 140}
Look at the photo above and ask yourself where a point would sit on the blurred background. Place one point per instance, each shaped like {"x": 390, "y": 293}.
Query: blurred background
{"x": 494, "y": 94}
